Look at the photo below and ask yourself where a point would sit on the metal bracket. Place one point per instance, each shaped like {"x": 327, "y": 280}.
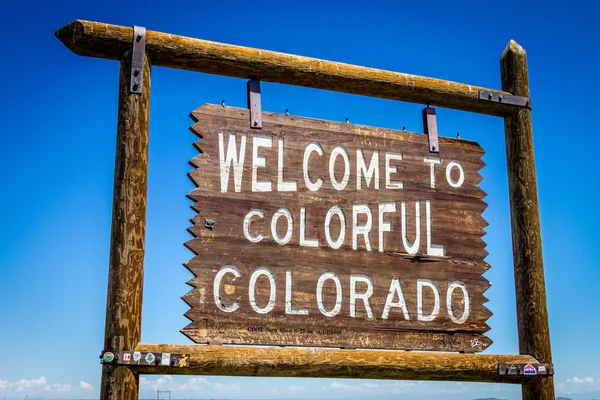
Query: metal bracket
{"x": 430, "y": 129}
{"x": 519, "y": 101}
{"x": 137, "y": 59}
{"x": 253, "y": 88}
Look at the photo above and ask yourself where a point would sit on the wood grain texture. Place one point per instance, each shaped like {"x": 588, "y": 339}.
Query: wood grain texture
{"x": 330, "y": 363}
{"x": 102, "y": 40}
{"x": 456, "y": 220}
{"x": 126, "y": 269}
{"x": 532, "y": 313}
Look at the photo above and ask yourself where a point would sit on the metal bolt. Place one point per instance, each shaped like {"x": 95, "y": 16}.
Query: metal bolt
{"x": 255, "y": 122}
{"x": 222, "y": 103}
{"x": 458, "y": 135}
{"x": 490, "y": 96}
{"x": 287, "y": 112}
{"x": 139, "y": 37}
{"x": 347, "y": 120}
{"x": 136, "y": 72}
{"x": 500, "y": 98}
{"x": 433, "y": 148}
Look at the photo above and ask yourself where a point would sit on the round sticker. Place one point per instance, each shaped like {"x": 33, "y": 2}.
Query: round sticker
{"x": 108, "y": 357}
{"x": 150, "y": 358}
{"x": 137, "y": 356}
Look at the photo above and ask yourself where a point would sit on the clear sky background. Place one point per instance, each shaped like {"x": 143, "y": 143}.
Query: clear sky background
{"x": 58, "y": 114}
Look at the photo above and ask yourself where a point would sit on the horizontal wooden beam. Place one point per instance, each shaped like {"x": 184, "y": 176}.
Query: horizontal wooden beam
{"x": 338, "y": 363}
{"x": 102, "y": 40}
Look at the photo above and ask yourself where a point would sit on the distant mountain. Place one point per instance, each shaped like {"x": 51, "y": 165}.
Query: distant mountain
{"x": 495, "y": 398}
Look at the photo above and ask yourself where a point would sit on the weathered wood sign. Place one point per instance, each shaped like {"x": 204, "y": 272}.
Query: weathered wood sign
{"x": 315, "y": 233}
{"x": 321, "y": 279}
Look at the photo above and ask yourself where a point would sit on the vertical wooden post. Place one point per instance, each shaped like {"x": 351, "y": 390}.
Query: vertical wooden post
{"x": 532, "y": 313}
{"x": 126, "y": 269}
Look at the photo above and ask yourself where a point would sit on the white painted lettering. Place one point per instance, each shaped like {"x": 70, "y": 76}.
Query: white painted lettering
{"x": 338, "y": 298}
{"x": 395, "y": 290}
{"x": 361, "y": 229}
{"x": 354, "y": 279}
{"x": 252, "y": 290}
{"x": 414, "y": 247}
{"x": 259, "y": 161}
{"x": 232, "y": 158}
{"x": 436, "y": 306}
{"x": 467, "y": 305}
{"x": 390, "y": 169}
{"x": 335, "y": 210}
{"x": 228, "y": 269}
{"x": 247, "y": 219}
{"x": 339, "y": 151}
{"x": 461, "y": 174}
{"x": 361, "y": 168}
{"x": 282, "y": 212}
{"x": 289, "y": 309}
{"x": 432, "y": 162}
{"x": 282, "y": 185}
{"x": 432, "y": 249}
{"x": 303, "y": 240}
{"x": 316, "y": 147}
{"x": 385, "y": 226}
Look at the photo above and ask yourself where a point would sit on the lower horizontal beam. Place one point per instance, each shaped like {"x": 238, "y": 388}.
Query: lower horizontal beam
{"x": 338, "y": 363}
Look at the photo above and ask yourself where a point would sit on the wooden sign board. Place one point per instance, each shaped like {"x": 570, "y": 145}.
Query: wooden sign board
{"x": 317, "y": 233}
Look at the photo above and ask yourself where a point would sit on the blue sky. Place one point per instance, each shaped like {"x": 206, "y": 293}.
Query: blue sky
{"x": 58, "y": 115}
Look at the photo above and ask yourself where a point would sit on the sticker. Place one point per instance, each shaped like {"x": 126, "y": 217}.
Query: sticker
{"x": 127, "y": 357}
{"x": 183, "y": 361}
{"x": 150, "y": 358}
{"x": 166, "y": 359}
{"x": 512, "y": 370}
{"x": 502, "y": 369}
{"x": 108, "y": 357}
{"x": 529, "y": 370}
{"x": 137, "y": 356}
{"x": 541, "y": 369}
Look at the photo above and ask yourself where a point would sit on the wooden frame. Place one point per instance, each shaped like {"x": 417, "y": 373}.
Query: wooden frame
{"x": 124, "y": 303}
